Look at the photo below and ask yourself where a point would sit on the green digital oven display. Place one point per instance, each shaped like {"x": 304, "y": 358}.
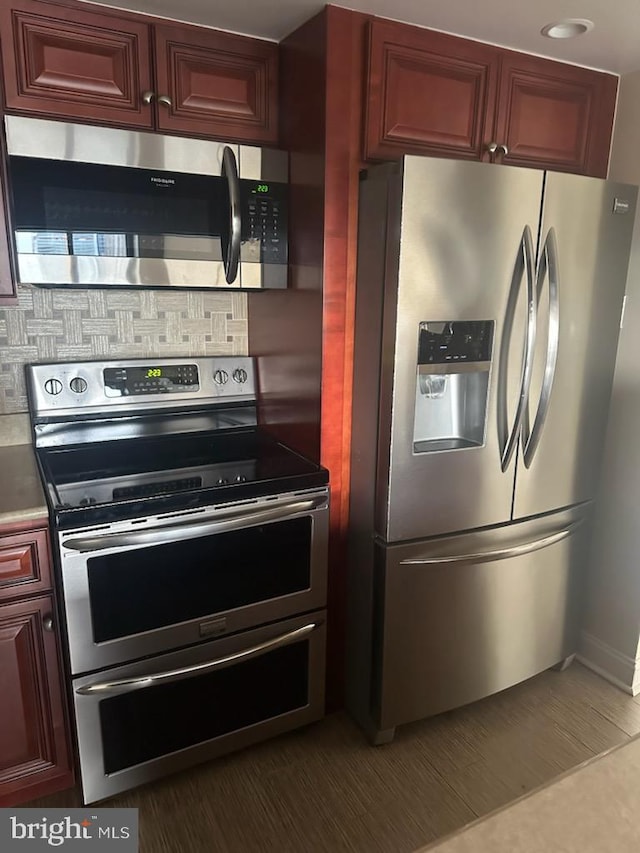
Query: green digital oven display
{"x": 262, "y": 188}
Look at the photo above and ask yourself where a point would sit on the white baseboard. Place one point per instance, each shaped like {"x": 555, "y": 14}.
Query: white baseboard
{"x": 618, "y": 668}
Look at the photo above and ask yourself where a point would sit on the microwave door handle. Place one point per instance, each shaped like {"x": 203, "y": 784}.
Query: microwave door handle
{"x": 232, "y": 253}
{"x": 176, "y": 532}
{"x": 126, "y": 685}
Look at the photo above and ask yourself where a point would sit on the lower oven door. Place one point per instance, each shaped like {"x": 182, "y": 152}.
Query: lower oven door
{"x": 140, "y": 587}
{"x": 138, "y": 722}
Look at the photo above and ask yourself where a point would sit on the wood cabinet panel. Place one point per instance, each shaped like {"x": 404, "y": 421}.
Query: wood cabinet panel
{"x": 75, "y": 63}
{"x": 71, "y": 62}
{"x": 428, "y": 93}
{"x": 219, "y": 84}
{"x": 555, "y": 116}
{"x": 24, "y": 564}
{"x": 34, "y": 752}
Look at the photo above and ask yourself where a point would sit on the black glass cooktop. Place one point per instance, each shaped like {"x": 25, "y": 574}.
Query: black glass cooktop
{"x": 107, "y": 481}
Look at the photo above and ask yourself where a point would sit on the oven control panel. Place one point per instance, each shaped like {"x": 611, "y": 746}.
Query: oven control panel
{"x": 139, "y": 384}
{"x": 156, "y": 379}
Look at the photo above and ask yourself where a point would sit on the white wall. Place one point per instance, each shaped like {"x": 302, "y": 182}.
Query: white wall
{"x": 611, "y": 635}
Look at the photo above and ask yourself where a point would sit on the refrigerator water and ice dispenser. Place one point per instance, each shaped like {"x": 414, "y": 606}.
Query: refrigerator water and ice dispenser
{"x": 452, "y": 383}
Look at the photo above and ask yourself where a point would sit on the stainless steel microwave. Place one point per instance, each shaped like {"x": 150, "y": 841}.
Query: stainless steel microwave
{"x": 97, "y": 207}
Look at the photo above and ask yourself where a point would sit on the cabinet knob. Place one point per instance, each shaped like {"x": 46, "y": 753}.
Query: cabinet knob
{"x": 492, "y": 147}
{"x": 504, "y": 150}
{"x": 47, "y": 622}
{"x": 165, "y": 100}
{"x": 147, "y": 97}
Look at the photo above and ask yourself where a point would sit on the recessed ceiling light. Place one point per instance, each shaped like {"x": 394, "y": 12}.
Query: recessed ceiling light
{"x": 567, "y": 29}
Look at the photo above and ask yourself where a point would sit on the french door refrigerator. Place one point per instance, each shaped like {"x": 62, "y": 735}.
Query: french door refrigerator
{"x": 488, "y": 307}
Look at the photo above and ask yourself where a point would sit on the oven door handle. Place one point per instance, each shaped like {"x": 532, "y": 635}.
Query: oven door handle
{"x": 127, "y": 685}
{"x": 176, "y": 532}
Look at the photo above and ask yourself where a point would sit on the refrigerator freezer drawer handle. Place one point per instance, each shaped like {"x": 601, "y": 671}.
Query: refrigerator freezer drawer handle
{"x": 126, "y": 685}
{"x": 524, "y": 265}
{"x": 548, "y": 264}
{"x": 498, "y": 554}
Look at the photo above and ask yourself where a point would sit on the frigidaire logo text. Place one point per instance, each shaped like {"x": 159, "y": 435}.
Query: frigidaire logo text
{"x": 164, "y": 181}
{"x": 56, "y": 833}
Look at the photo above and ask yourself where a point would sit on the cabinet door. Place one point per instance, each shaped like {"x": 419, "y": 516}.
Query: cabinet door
{"x": 75, "y": 64}
{"x": 216, "y": 84}
{"x": 25, "y": 565}
{"x": 427, "y": 93}
{"x": 555, "y": 116}
{"x": 34, "y": 747}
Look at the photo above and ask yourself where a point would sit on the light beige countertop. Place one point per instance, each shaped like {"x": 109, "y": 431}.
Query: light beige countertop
{"x": 594, "y": 808}
{"x": 21, "y": 495}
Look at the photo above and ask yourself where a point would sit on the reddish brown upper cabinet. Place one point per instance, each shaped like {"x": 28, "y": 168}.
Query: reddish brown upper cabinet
{"x": 216, "y": 84}
{"x": 427, "y": 92}
{"x": 35, "y": 756}
{"x": 66, "y": 61}
{"x": 556, "y": 116}
{"x": 75, "y": 63}
{"x": 430, "y": 93}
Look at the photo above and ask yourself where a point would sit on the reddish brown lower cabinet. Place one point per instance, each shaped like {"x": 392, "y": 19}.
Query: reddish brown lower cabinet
{"x": 35, "y": 754}
{"x": 24, "y": 563}
{"x": 555, "y": 116}
{"x": 34, "y": 749}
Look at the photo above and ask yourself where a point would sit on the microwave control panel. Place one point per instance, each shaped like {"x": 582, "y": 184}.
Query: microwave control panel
{"x": 264, "y": 221}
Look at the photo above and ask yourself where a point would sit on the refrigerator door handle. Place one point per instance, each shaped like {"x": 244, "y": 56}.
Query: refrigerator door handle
{"x": 498, "y": 553}
{"x": 548, "y": 263}
{"x": 523, "y": 264}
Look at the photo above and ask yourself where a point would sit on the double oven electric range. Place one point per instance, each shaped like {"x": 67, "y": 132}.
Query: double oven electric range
{"x": 191, "y": 551}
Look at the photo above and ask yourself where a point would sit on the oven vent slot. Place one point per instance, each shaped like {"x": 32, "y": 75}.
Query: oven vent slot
{"x": 182, "y": 514}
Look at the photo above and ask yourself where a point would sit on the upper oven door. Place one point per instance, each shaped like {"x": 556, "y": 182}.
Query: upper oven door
{"x": 135, "y": 588}
{"x": 143, "y": 209}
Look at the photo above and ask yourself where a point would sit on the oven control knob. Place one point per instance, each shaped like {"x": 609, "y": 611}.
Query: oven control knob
{"x": 239, "y": 375}
{"x": 78, "y": 384}
{"x": 222, "y": 481}
{"x": 53, "y": 386}
{"x": 220, "y": 377}
{"x": 241, "y": 478}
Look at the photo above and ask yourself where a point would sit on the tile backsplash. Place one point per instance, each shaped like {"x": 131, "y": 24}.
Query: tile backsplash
{"x": 75, "y": 325}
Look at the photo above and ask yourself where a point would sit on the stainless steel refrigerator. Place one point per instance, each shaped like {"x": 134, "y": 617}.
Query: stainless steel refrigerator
{"x": 488, "y": 306}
